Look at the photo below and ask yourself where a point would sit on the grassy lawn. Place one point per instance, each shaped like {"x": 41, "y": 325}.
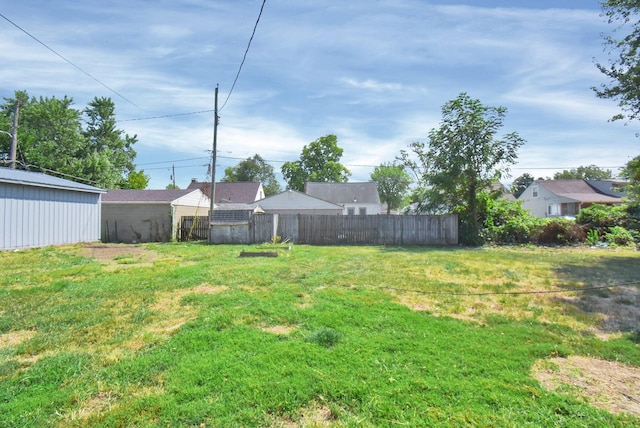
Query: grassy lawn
{"x": 194, "y": 335}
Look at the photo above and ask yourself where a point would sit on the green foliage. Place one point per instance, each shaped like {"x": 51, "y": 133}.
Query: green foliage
{"x": 593, "y": 237}
{"x": 558, "y": 231}
{"x": 255, "y": 170}
{"x": 136, "y": 180}
{"x": 319, "y": 162}
{"x": 506, "y": 222}
{"x": 393, "y": 184}
{"x": 591, "y": 172}
{"x": 623, "y": 69}
{"x": 464, "y": 157}
{"x": 620, "y": 236}
{"x": 520, "y": 184}
{"x": 51, "y": 138}
{"x": 601, "y": 216}
{"x": 631, "y": 172}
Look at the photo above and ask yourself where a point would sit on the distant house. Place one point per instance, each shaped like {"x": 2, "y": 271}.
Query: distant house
{"x": 149, "y": 215}
{"x": 354, "y": 198}
{"x": 294, "y": 202}
{"x": 559, "y": 198}
{"x": 238, "y": 192}
{"x": 38, "y": 210}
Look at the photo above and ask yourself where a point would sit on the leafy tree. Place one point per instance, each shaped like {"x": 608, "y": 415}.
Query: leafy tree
{"x": 590, "y": 172}
{"x": 51, "y": 138}
{"x": 109, "y": 152}
{"x": 254, "y": 169}
{"x": 623, "y": 69}
{"x": 172, "y": 186}
{"x": 393, "y": 183}
{"x": 632, "y": 173}
{"x": 136, "y": 180}
{"x": 464, "y": 158}
{"x": 319, "y": 162}
{"x": 520, "y": 184}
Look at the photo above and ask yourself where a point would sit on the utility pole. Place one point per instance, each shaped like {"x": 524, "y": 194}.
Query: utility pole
{"x": 213, "y": 161}
{"x": 173, "y": 175}
{"x": 14, "y": 135}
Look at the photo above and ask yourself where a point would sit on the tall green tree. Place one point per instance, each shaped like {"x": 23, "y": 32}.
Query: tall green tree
{"x": 52, "y": 138}
{"x": 520, "y": 184}
{"x": 632, "y": 173}
{"x": 590, "y": 172}
{"x": 254, "y": 169}
{"x": 319, "y": 162}
{"x": 393, "y": 184}
{"x": 108, "y": 152}
{"x": 623, "y": 69}
{"x": 464, "y": 158}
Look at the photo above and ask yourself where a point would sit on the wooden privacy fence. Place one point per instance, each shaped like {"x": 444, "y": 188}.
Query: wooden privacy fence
{"x": 336, "y": 229}
{"x": 193, "y": 228}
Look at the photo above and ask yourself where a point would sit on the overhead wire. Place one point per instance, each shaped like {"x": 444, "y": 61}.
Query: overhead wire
{"x": 244, "y": 56}
{"x": 69, "y": 61}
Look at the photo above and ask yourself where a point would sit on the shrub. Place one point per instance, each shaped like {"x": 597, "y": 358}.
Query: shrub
{"x": 601, "y": 216}
{"x": 326, "y": 337}
{"x": 558, "y": 231}
{"x": 506, "y": 222}
{"x": 618, "y": 235}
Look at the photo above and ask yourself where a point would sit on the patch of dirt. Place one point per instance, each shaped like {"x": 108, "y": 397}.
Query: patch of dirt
{"x": 611, "y": 386}
{"x": 314, "y": 415}
{"x": 14, "y": 338}
{"x": 278, "y": 329}
{"x": 116, "y": 256}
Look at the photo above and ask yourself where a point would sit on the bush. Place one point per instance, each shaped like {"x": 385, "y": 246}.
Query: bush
{"x": 506, "y": 222}
{"x": 601, "y": 216}
{"x": 558, "y": 231}
{"x": 618, "y": 235}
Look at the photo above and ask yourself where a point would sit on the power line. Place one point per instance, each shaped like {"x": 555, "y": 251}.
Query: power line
{"x": 245, "y": 55}
{"x": 167, "y": 115}
{"x": 68, "y": 61}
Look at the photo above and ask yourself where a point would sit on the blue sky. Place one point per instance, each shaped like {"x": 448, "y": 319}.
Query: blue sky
{"x": 373, "y": 72}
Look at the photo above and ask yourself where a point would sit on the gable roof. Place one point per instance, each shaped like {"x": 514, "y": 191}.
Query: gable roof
{"x": 234, "y": 192}
{"x": 292, "y": 199}
{"x": 577, "y": 190}
{"x": 344, "y": 193}
{"x": 145, "y": 196}
{"x": 38, "y": 179}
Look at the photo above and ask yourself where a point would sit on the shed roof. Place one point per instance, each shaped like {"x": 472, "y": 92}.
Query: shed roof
{"x": 292, "y": 199}
{"x": 145, "y": 196}
{"x": 38, "y": 179}
{"x": 344, "y": 193}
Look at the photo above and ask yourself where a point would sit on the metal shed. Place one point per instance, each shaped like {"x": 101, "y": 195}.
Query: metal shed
{"x": 37, "y": 210}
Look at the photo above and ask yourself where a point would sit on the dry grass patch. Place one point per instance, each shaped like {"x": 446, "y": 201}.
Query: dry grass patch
{"x": 14, "y": 338}
{"x": 314, "y": 415}
{"x": 611, "y": 386}
{"x": 279, "y": 329}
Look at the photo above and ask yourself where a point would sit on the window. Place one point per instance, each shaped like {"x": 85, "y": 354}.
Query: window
{"x": 534, "y": 191}
{"x": 351, "y": 211}
{"x": 363, "y": 211}
{"x": 553, "y": 209}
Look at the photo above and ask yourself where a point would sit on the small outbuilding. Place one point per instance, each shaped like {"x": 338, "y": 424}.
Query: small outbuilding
{"x": 130, "y": 216}
{"x": 38, "y": 210}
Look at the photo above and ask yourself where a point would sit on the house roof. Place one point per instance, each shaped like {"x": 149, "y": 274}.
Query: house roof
{"x": 344, "y": 193}
{"x": 608, "y": 187}
{"x": 38, "y": 179}
{"x": 235, "y": 192}
{"x": 145, "y": 196}
{"x": 578, "y": 190}
{"x": 292, "y": 199}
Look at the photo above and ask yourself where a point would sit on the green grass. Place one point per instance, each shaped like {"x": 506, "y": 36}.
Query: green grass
{"x": 340, "y": 336}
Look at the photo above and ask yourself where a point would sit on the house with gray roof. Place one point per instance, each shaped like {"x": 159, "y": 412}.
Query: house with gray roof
{"x": 354, "y": 198}
{"x": 38, "y": 210}
{"x": 131, "y": 216}
{"x": 564, "y": 198}
{"x": 238, "y": 192}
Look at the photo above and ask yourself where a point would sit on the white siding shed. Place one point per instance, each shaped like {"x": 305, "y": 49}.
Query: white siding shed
{"x": 38, "y": 210}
